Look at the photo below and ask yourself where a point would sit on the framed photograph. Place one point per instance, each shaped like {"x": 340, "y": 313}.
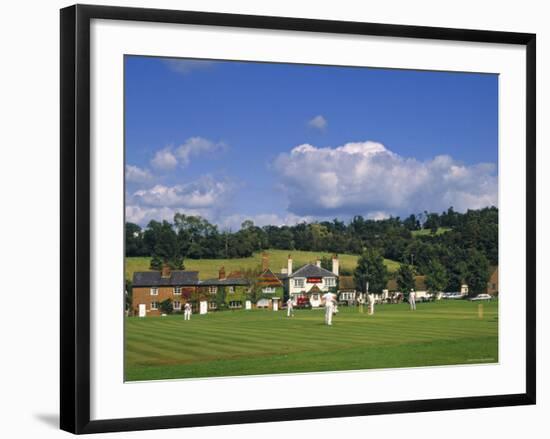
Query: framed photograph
{"x": 275, "y": 218}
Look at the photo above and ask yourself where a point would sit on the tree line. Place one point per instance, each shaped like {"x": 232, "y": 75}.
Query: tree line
{"x": 371, "y": 274}
{"x": 463, "y": 252}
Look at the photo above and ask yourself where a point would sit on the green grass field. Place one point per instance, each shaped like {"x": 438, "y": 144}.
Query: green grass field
{"x": 231, "y": 343}
{"x": 208, "y": 268}
{"x": 425, "y": 232}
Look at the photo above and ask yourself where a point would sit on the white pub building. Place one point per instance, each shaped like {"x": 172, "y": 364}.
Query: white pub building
{"x": 312, "y": 281}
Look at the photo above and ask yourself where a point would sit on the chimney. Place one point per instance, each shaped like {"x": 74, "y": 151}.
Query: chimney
{"x": 265, "y": 261}
{"x": 318, "y": 262}
{"x": 335, "y": 264}
{"x": 289, "y": 265}
{"x": 165, "y": 271}
{"x": 221, "y": 273}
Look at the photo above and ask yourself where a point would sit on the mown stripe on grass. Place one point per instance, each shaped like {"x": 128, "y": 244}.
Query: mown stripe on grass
{"x": 241, "y": 336}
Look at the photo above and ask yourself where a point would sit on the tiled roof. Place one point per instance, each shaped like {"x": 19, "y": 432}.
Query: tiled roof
{"x": 268, "y": 278}
{"x": 154, "y": 279}
{"x": 228, "y": 282}
{"x": 311, "y": 270}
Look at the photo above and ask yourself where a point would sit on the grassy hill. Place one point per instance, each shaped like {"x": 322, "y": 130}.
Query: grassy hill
{"x": 422, "y": 232}
{"x": 208, "y": 268}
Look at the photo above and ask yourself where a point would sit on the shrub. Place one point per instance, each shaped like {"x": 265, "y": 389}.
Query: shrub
{"x": 166, "y": 306}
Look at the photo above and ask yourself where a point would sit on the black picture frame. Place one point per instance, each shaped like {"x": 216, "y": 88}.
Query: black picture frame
{"x": 75, "y": 217}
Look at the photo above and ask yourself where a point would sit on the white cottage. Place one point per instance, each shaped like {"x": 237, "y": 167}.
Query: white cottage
{"x": 312, "y": 281}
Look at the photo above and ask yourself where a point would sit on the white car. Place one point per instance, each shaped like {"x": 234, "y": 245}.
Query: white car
{"x": 482, "y": 297}
{"x": 453, "y": 295}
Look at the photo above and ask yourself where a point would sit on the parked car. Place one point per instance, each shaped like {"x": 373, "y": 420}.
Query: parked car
{"x": 452, "y": 295}
{"x": 302, "y": 302}
{"x": 482, "y": 297}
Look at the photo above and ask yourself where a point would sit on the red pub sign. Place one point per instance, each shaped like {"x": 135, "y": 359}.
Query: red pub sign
{"x": 314, "y": 280}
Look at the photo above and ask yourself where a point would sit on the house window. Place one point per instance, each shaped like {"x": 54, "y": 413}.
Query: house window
{"x": 154, "y": 305}
{"x": 268, "y": 290}
{"x": 231, "y": 289}
{"x": 299, "y": 283}
{"x": 177, "y": 304}
{"x": 347, "y": 296}
{"x": 331, "y": 282}
{"x": 177, "y": 291}
{"x": 235, "y": 304}
{"x": 212, "y": 290}
{"x": 154, "y": 291}
{"x": 212, "y": 305}
{"x": 262, "y": 303}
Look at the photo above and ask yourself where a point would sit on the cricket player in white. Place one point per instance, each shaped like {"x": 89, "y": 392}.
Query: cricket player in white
{"x": 187, "y": 311}
{"x": 330, "y": 302}
{"x": 412, "y": 300}
{"x": 371, "y": 304}
{"x": 289, "y": 308}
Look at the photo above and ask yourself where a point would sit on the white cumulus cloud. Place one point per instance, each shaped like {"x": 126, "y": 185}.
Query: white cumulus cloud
{"x": 318, "y": 122}
{"x": 135, "y": 174}
{"x": 164, "y": 160}
{"x": 195, "y": 146}
{"x": 203, "y": 193}
{"x": 206, "y": 197}
{"x": 367, "y": 178}
{"x": 168, "y": 158}
{"x": 142, "y": 215}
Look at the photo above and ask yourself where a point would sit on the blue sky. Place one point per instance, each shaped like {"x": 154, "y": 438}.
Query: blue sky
{"x": 280, "y": 143}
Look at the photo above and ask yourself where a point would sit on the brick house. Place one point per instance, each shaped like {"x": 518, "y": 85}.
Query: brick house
{"x": 270, "y": 287}
{"x": 150, "y": 288}
{"x": 235, "y": 288}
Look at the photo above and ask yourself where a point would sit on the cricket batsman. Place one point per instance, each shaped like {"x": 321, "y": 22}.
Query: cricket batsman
{"x": 187, "y": 311}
